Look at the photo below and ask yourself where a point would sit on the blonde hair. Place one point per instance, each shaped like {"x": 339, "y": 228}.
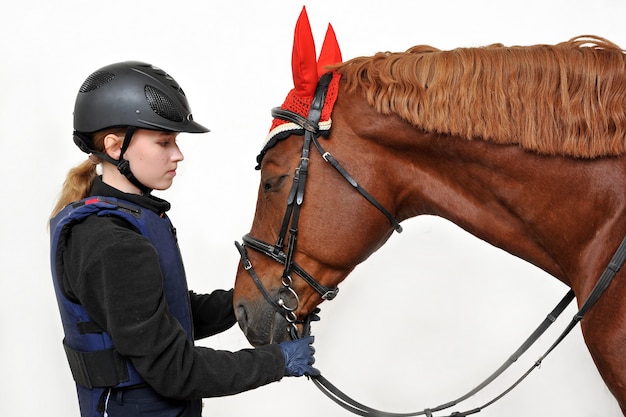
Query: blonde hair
{"x": 80, "y": 178}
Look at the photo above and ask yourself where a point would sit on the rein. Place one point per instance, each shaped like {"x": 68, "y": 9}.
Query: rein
{"x": 287, "y": 301}
{"x": 603, "y": 283}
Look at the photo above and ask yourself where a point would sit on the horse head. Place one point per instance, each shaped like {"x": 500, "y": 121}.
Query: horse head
{"x": 301, "y": 242}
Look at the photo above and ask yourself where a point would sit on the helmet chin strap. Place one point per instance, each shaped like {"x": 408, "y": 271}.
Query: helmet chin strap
{"x": 123, "y": 165}
{"x": 85, "y": 144}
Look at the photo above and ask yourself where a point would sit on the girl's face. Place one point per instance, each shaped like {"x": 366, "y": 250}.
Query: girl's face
{"x": 153, "y": 157}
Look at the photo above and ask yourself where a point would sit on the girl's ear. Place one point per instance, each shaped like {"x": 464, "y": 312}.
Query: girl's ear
{"x": 113, "y": 145}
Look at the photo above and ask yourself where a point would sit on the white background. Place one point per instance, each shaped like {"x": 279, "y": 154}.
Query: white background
{"x": 420, "y": 323}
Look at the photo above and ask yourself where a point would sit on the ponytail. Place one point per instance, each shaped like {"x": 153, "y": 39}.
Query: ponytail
{"x": 79, "y": 179}
{"x": 77, "y": 185}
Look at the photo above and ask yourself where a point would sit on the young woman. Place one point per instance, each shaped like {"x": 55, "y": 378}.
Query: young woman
{"x": 128, "y": 317}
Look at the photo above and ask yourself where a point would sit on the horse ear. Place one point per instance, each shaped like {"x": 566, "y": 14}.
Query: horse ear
{"x": 303, "y": 62}
{"x": 330, "y": 53}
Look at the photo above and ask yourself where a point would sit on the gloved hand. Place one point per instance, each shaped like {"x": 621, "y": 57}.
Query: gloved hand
{"x": 299, "y": 357}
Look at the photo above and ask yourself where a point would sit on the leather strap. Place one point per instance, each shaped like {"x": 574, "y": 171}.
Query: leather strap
{"x": 616, "y": 263}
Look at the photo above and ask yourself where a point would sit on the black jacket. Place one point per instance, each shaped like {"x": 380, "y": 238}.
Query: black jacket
{"x": 113, "y": 271}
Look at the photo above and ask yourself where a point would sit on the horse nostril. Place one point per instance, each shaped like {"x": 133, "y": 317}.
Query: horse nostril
{"x": 242, "y": 317}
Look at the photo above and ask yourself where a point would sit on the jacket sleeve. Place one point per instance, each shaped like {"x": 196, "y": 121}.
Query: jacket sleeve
{"x": 115, "y": 274}
{"x": 212, "y": 313}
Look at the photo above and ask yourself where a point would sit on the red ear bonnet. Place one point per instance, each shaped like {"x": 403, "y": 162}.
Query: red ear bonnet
{"x": 305, "y": 68}
{"x": 306, "y": 74}
{"x": 330, "y": 53}
{"x": 303, "y": 63}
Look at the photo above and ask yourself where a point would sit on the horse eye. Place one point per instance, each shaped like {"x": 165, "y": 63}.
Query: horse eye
{"x": 274, "y": 183}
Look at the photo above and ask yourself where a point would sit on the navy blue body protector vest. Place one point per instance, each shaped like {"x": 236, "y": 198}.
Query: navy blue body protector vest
{"x": 94, "y": 362}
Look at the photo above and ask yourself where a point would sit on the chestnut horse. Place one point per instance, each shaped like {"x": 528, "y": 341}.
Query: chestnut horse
{"x": 521, "y": 146}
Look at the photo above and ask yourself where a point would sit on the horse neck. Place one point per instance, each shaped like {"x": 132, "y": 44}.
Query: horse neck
{"x": 557, "y": 213}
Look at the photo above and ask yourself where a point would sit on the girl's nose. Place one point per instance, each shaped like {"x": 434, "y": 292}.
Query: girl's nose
{"x": 177, "y": 155}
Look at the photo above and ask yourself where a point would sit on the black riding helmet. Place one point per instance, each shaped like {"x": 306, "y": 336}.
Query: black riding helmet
{"x": 133, "y": 95}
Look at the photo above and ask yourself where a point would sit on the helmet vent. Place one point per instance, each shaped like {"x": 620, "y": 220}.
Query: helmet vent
{"x": 162, "y": 105}
{"x": 179, "y": 89}
{"x": 96, "y": 80}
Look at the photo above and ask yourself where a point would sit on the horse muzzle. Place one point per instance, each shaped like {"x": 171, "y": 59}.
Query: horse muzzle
{"x": 261, "y": 324}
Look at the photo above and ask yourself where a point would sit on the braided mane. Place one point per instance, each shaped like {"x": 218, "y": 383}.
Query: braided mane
{"x": 565, "y": 99}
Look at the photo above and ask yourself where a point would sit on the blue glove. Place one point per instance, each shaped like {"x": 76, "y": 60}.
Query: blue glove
{"x": 299, "y": 357}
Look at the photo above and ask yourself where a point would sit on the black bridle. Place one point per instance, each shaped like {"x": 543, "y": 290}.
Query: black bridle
{"x": 288, "y": 308}
{"x": 287, "y": 301}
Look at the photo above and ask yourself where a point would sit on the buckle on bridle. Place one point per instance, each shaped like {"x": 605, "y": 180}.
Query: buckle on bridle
{"x": 330, "y": 295}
